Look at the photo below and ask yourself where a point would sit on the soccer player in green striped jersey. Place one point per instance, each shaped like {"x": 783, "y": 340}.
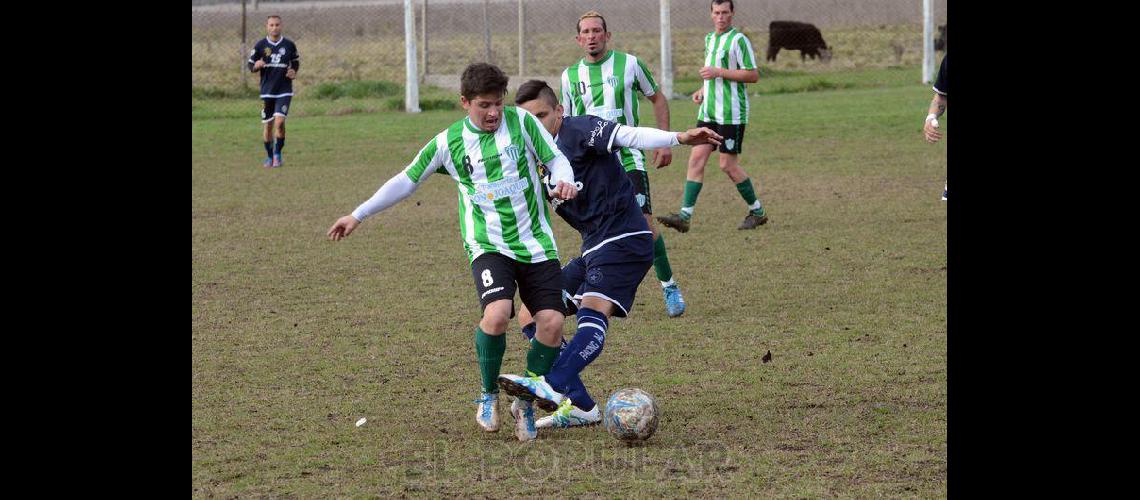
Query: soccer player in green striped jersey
{"x": 605, "y": 84}
{"x": 492, "y": 155}
{"x": 722, "y": 106}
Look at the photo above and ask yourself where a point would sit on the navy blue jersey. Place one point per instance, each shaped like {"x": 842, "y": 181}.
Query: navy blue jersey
{"x": 278, "y": 57}
{"x": 605, "y": 206}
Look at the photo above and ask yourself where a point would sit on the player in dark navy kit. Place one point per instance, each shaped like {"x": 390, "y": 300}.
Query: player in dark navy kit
{"x": 617, "y": 246}
{"x": 277, "y": 59}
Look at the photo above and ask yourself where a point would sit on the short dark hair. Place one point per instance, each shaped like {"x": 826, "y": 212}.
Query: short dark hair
{"x": 592, "y": 13}
{"x": 482, "y": 78}
{"x": 731, "y": 6}
{"x": 536, "y": 89}
{"x": 271, "y": 16}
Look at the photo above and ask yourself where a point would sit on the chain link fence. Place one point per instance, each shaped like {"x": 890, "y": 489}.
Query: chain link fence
{"x": 873, "y": 42}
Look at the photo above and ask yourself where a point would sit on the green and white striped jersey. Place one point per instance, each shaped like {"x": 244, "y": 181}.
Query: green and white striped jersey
{"x": 608, "y": 89}
{"x": 726, "y": 101}
{"x": 501, "y": 204}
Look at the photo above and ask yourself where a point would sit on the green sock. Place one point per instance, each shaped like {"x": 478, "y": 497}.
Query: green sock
{"x": 489, "y": 350}
{"x": 746, "y": 192}
{"x": 540, "y": 357}
{"x": 661, "y": 260}
{"x": 692, "y": 189}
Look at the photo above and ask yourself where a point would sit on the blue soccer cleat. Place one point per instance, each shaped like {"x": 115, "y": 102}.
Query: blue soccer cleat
{"x": 277, "y": 160}
{"x": 674, "y": 302}
{"x": 523, "y": 411}
{"x": 268, "y": 163}
{"x": 569, "y": 415}
{"x": 531, "y": 389}
{"x": 487, "y": 414}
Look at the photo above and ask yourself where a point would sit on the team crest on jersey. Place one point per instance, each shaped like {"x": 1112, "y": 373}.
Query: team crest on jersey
{"x": 281, "y": 50}
{"x": 512, "y": 152}
{"x": 594, "y": 276}
{"x": 268, "y": 51}
{"x": 612, "y": 80}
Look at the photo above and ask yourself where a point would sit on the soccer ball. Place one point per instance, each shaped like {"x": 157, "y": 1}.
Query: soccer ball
{"x": 631, "y": 415}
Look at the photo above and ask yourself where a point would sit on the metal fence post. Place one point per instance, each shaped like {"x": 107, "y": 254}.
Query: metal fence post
{"x": 927, "y": 41}
{"x": 411, "y": 79}
{"x": 666, "y": 51}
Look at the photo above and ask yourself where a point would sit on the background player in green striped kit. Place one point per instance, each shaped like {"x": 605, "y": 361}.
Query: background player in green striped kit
{"x": 604, "y": 84}
{"x": 492, "y": 155}
{"x": 723, "y": 107}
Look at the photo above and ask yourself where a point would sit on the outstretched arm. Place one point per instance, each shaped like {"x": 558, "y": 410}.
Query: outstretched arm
{"x": 648, "y": 137}
{"x": 392, "y": 192}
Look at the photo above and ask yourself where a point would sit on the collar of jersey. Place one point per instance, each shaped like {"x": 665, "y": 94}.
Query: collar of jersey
{"x": 278, "y": 42}
{"x": 600, "y": 61}
{"x": 476, "y": 130}
{"x": 715, "y": 34}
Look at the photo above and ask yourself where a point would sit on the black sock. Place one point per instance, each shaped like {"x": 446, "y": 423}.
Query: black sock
{"x": 269, "y": 149}
{"x": 280, "y": 144}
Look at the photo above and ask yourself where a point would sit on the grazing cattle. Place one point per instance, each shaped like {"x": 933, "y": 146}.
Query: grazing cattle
{"x": 793, "y": 35}
{"x": 940, "y": 42}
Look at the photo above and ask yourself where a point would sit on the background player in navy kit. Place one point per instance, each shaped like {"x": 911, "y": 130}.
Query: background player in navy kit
{"x": 617, "y": 245}
{"x": 277, "y": 59}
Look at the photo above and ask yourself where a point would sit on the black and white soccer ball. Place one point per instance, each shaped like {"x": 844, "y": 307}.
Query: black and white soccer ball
{"x": 631, "y": 415}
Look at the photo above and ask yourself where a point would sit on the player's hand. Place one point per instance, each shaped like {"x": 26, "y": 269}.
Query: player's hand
{"x": 930, "y": 130}
{"x": 260, "y": 63}
{"x": 700, "y": 135}
{"x": 343, "y": 227}
{"x": 699, "y": 95}
{"x": 662, "y": 157}
{"x": 564, "y": 191}
{"x": 709, "y": 72}
{"x": 291, "y": 73}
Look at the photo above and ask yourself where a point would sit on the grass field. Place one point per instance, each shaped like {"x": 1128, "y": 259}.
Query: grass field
{"x": 295, "y": 337}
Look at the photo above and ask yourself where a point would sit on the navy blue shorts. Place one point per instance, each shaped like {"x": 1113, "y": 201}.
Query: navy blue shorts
{"x": 275, "y": 106}
{"x": 612, "y": 272}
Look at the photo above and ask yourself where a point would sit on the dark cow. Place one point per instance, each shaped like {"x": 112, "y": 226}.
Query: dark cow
{"x": 793, "y": 35}
{"x": 940, "y": 42}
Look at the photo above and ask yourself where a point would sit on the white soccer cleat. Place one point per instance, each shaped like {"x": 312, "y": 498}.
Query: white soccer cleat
{"x": 531, "y": 389}
{"x": 523, "y": 411}
{"x": 569, "y": 415}
{"x": 487, "y": 414}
